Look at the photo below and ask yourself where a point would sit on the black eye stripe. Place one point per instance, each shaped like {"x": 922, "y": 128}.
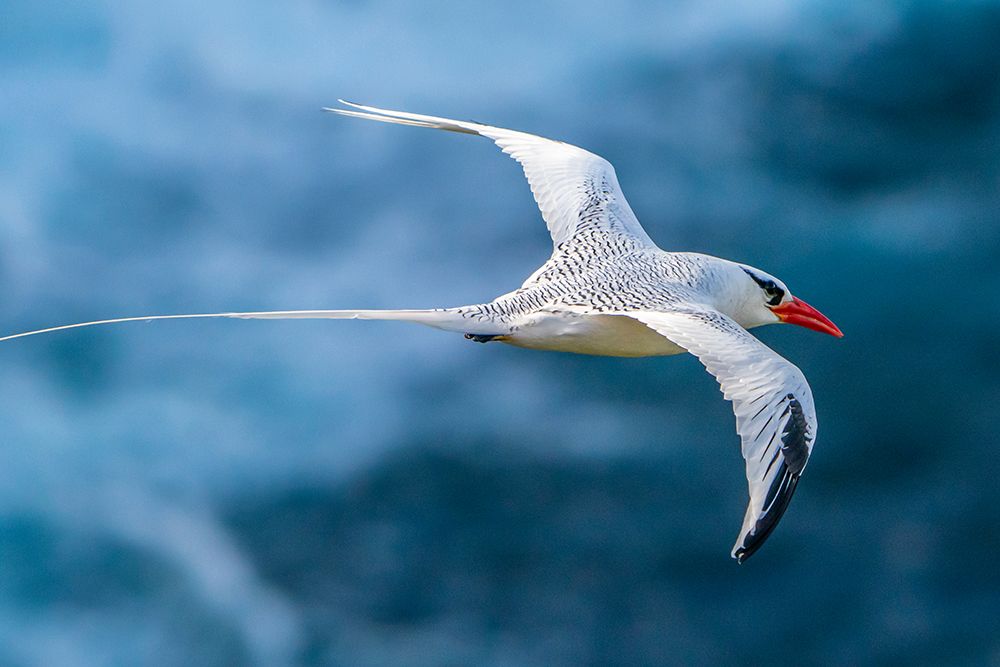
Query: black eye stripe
{"x": 759, "y": 281}
{"x": 774, "y": 293}
{"x": 766, "y": 285}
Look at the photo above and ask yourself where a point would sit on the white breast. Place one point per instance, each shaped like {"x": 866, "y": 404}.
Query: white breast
{"x": 604, "y": 335}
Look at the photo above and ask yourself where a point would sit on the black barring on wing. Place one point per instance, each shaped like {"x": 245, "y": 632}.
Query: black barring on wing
{"x": 778, "y": 497}
{"x": 793, "y": 454}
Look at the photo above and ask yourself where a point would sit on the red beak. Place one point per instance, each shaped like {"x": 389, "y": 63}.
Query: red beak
{"x": 799, "y": 312}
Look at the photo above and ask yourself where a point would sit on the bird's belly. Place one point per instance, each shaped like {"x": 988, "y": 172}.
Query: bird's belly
{"x": 605, "y": 335}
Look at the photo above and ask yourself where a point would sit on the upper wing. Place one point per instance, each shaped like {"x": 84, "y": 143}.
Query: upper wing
{"x": 774, "y": 410}
{"x": 575, "y": 189}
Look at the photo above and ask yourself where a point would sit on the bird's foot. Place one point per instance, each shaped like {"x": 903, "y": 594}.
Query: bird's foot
{"x": 481, "y": 338}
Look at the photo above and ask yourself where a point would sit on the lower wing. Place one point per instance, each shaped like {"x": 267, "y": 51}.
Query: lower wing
{"x": 775, "y": 417}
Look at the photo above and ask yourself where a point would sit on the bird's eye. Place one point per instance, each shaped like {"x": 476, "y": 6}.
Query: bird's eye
{"x": 773, "y": 293}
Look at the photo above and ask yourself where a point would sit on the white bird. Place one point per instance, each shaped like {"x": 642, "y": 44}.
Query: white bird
{"x": 609, "y": 290}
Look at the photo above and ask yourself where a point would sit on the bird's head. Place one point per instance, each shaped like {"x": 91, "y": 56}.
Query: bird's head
{"x": 766, "y": 300}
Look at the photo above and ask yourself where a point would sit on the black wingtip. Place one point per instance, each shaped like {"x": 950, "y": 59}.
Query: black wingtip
{"x": 794, "y": 453}
{"x": 779, "y": 495}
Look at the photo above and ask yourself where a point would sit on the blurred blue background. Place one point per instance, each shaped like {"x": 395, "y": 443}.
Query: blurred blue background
{"x": 357, "y": 493}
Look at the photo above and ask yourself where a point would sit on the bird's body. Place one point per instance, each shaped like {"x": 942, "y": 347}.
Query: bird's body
{"x": 609, "y": 290}
{"x": 584, "y": 333}
{"x": 567, "y": 306}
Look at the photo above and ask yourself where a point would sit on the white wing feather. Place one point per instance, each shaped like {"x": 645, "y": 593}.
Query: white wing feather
{"x": 575, "y": 189}
{"x": 775, "y": 417}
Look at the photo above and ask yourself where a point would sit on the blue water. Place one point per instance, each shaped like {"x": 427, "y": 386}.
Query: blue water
{"x": 356, "y": 493}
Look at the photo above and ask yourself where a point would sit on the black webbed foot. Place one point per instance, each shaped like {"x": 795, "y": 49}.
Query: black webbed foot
{"x": 480, "y": 338}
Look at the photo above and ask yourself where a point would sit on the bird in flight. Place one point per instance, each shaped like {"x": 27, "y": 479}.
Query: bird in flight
{"x": 609, "y": 290}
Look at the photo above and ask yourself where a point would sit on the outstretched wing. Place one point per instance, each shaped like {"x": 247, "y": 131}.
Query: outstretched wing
{"x": 576, "y": 190}
{"x": 775, "y": 417}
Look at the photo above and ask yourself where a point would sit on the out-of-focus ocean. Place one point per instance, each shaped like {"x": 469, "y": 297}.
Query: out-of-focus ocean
{"x": 357, "y": 493}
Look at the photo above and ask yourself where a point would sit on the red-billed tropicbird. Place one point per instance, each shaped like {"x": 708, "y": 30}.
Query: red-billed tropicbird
{"x": 609, "y": 290}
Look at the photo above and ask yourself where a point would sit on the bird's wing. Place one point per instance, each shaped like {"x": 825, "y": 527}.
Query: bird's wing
{"x": 775, "y": 417}
{"x": 576, "y": 190}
